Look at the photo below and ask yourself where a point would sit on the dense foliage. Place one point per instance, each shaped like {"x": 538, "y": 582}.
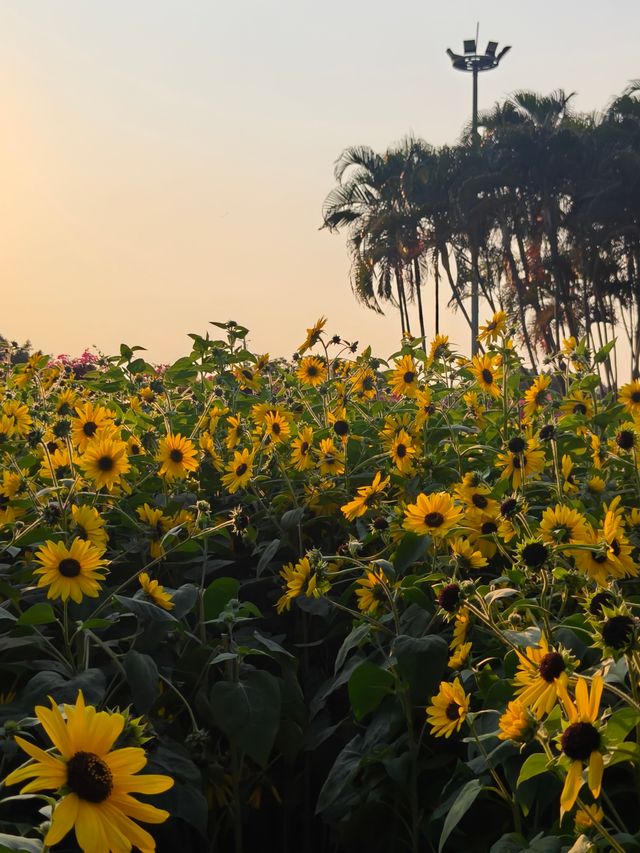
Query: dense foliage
{"x": 543, "y": 212}
{"x": 343, "y": 603}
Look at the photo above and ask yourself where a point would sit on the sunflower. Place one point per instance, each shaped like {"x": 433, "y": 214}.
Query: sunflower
{"x": 581, "y": 740}
{"x": 363, "y": 383}
{"x": 517, "y": 723}
{"x": 89, "y": 525}
{"x": 301, "y": 579}
{"x": 158, "y": 524}
{"x": 522, "y": 461}
{"x": 239, "y": 471}
{"x": 313, "y": 335}
{"x": 577, "y": 403}
{"x": 89, "y": 422}
{"x": 156, "y": 592}
{"x": 438, "y": 350}
{"x": 609, "y": 552}
{"x": 475, "y": 408}
{"x": 95, "y": 781}
{"x": 22, "y": 421}
{"x": 461, "y": 655}
{"x": 627, "y": 439}
{"x": 276, "y": 428}
{"x": 569, "y": 485}
{"x": 7, "y": 428}
{"x": 433, "y": 514}
{"x": 104, "y": 461}
{"x": 301, "y": 457}
{"x": 70, "y": 572}
{"x": 495, "y": 327}
{"x": 248, "y": 378}
{"x": 424, "y": 407}
{"x": 373, "y": 591}
{"x": 561, "y": 524}
{"x": 629, "y": 396}
{"x": 402, "y": 452}
{"x": 540, "y": 672}
{"x": 473, "y": 492}
{"x": 177, "y": 455}
{"x": 368, "y": 497}
{"x": 487, "y": 373}
{"x": 536, "y": 397}
{"x": 404, "y": 379}
{"x": 448, "y": 709}
{"x": 311, "y": 371}
{"x": 483, "y": 528}
{"x": 330, "y": 459}
{"x": 57, "y": 464}
{"x": 464, "y": 557}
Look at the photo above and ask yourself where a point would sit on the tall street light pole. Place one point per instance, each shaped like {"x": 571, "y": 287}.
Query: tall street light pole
{"x": 475, "y": 62}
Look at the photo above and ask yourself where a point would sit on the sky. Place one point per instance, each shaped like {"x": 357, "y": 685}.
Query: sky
{"x": 163, "y": 163}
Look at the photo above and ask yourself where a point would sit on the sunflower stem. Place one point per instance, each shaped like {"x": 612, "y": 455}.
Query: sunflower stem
{"x": 603, "y": 832}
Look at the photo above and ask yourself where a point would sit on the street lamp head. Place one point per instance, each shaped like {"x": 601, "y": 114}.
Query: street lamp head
{"x": 469, "y": 45}
{"x": 472, "y": 61}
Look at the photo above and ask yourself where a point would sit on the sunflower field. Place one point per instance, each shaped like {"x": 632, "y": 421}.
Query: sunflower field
{"x": 322, "y": 605}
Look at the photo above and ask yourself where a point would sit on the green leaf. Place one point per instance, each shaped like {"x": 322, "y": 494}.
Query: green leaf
{"x": 368, "y": 686}
{"x": 38, "y": 614}
{"x": 351, "y": 641}
{"x": 248, "y": 712}
{"x": 604, "y": 351}
{"x": 291, "y": 518}
{"x": 267, "y": 555}
{"x": 460, "y": 807}
{"x": 142, "y": 675}
{"x": 145, "y": 609}
{"x": 411, "y": 548}
{"x": 421, "y": 662}
{"x": 533, "y": 766}
{"x": 217, "y": 595}
{"x": 15, "y": 842}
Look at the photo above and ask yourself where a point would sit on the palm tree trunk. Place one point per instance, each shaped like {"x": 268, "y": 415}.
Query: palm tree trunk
{"x": 418, "y": 283}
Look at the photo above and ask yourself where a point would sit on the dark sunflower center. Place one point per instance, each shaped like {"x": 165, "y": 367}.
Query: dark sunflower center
{"x": 105, "y": 463}
{"x": 479, "y": 500}
{"x": 52, "y": 446}
{"x": 489, "y": 527}
{"x": 341, "y": 428}
{"x": 534, "y": 554}
{"x": 380, "y": 523}
{"x": 247, "y": 374}
{"x": 69, "y": 568}
{"x": 624, "y": 439}
{"x": 617, "y": 632}
{"x": 580, "y": 740}
{"x": 635, "y": 397}
{"x": 453, "y": 711}
{"x": 176, "y": 455}
{"x": 4, "y": 500}
{"x": 90, "y": 428}
{"x": 487, "y": 376}
{"x": 304, "y": 448}
{"x": 579, "y": 409}
{"x": 551, "y": 665}
{"x": 517, "y": 444}
{"x": 401, "y": 451}
{"x": 89, "y": 777}
{"x": 508, "y": 507}
{"x": 408, "y": 377}
{"x": 433, "y": 519}
{"x": 312, "y": 371}
{"x": 135, "y": 449}
{"x": 241, "y": 469}
{"x": 615, "y": 547}
{"x": 276, "y": 428}
{"x": 449, "y": 597}
{"x": 516, "y": 461}
{"x": 547, "y": 432}
{"x": 367, "y": 383}
{"x": 600, "y": 600}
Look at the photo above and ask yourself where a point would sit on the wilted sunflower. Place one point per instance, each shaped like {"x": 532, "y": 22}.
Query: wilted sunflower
{"x": 493, "y": 328}
{"x": 70, "y": 572}
{"x": 448, "y": 709}
{"x": 311, "y": 371}
{"x": 487, "y": 373}
{"x": 517, "y": 723}
{"x": 404, "y": 379}
{"x": 301, "y": 446}
{"x": 239, "y": 471}
{"x": 105, "y": 460}
{"x": 540, "y": 671}
{"x": 178, "y": 456}
{"x": 96, "y": 782}
{"x": 581, "y": 740}
{"x": 368, "y": 497}
{"x": 433, "y": 514}
{"x": 157, "y": 593}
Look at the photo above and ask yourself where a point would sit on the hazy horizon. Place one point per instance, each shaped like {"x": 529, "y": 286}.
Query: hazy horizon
{"x": 164, "y": 164}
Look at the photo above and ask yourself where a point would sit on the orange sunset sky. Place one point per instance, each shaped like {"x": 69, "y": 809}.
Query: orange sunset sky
{"x": 164, "y": 163}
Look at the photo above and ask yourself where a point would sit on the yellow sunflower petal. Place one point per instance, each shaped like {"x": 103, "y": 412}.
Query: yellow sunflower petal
{"x": 55, "y": 727}
{"x": 135, "y": 834}
{"x": 127, "y": 760}
{"x": 91, "y": 831}
{"x": 572, "y": 785}
{"x": 597, "y": 686}
{"x": 594, "y": 776}
{"x": 62, "y": 819}
{"x": 151, "y": 783}
{"x": 137, "y": 810}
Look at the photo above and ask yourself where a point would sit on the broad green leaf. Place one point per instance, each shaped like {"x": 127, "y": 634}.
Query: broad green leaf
{"x": 368, "y": 686}
{"x": 410, "y": 550}
{"x": 217, "y": 595}
{"x": 142, "y": 675}
{"x": 421, "y": 662}
{"x": 533, "y": 766}
{"x": 38, "y": 614}
{"x": 460, "y": 807}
